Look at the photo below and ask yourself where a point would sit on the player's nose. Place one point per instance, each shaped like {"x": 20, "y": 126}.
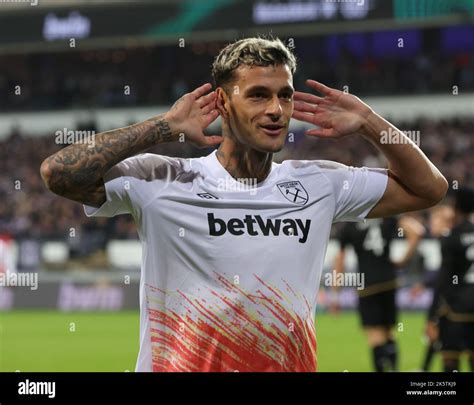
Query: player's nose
{"x": 274, "y": 107}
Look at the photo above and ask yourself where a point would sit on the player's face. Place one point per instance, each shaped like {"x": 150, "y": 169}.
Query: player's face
{"x": 260, "y": 106}
{"x": 441, "y": 220}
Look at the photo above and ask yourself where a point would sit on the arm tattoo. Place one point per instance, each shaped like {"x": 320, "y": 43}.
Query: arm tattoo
{"x": 76, "y": 172}
{"x": 163, "y": 130}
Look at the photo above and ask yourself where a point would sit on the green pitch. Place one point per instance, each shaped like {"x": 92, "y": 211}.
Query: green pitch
{"x": 102, "y": 341}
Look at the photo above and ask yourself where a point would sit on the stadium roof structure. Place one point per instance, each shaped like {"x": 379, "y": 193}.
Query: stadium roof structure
{"x": 126, "y": 23}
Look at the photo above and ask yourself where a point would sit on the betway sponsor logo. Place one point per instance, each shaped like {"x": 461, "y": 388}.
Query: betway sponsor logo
{"x": 255, "y": 225}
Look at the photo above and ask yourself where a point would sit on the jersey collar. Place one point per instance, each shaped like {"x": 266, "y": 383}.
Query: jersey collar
{"x": 219, "y": 172}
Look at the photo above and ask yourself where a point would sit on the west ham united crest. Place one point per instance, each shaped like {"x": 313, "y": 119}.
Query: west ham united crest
{"x": 293, "y": 191}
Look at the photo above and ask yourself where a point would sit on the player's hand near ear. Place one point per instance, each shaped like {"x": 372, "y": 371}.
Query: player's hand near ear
{"x": 413, "y": 183}
{"x": 77, "y": 171}
{"x": 337, "y": 113}
{"x": 191, "y": 114}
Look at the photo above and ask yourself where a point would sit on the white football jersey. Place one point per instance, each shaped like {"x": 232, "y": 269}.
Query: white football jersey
{"x": 230, "y": 269}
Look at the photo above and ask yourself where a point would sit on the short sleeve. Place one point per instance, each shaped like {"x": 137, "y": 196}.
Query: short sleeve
{"x": 444, "y": 276}
{"x": 448, "y": 252}
{"x": 344, "y": 236}
{"x": 134, "y": 182}
{"x": 356, "y": 189}
{"x": 114, "y": 204}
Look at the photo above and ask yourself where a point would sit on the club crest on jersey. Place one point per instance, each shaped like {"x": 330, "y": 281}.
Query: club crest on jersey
{"x": 294, "y": 191}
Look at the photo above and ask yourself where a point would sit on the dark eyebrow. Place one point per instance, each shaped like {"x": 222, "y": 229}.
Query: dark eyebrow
{"x": 288, "y": 89}
{"x": 264, "y": 89}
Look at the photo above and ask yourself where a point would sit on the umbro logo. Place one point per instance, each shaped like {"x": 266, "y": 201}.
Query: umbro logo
{"x": 208, "y": 196}
{"x": 294, "y": 191}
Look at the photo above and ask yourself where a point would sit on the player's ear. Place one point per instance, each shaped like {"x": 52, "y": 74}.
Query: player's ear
{"x": 222, "y": 102}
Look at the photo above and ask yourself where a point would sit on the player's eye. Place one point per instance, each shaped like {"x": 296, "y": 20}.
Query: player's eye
{"x": 287, "y": 96}
{"x": 258, "y": 95}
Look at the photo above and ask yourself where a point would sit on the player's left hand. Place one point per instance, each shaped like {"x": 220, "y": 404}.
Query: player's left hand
{"x": 432, "y": 331}
{"x": 337, "y": 113}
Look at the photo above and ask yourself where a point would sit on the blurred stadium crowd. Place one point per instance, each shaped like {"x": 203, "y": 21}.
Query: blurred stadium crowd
{"x": 160, "y": 75}
{"x": 29, "y": 210}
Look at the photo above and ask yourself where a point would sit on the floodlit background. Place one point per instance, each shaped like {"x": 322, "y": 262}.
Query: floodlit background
{"x": 98, "y": 65}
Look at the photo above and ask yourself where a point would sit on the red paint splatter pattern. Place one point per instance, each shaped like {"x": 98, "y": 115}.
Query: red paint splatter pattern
{"x": 228, "y": 329}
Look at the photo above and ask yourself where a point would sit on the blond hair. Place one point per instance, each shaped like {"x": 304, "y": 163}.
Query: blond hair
{"x": 255, "y": 51}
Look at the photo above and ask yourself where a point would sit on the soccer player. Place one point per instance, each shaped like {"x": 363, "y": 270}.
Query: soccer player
{"x": 453, "y": 302}
{"x": 440, "y": 224}
{"x": 377, "y": 307}
{"x": 234, "y": 243}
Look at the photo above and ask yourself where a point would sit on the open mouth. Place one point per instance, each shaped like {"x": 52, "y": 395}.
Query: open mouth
{"x": 272, "y": 129}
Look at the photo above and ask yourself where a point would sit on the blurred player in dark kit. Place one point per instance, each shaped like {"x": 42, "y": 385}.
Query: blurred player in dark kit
{"x": 377, "y": 307}
{"x": 440, "y": 223}
{"x": 453, "y": 302}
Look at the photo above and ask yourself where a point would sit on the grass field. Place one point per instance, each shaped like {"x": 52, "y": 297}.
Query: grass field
{"x": 103, "y": 341}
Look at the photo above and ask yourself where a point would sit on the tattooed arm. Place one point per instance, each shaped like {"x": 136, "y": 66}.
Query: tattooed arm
{"x": 76, "y": 172}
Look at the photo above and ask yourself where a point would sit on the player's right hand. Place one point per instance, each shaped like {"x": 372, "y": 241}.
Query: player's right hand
{"x": 191, "y": 114}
